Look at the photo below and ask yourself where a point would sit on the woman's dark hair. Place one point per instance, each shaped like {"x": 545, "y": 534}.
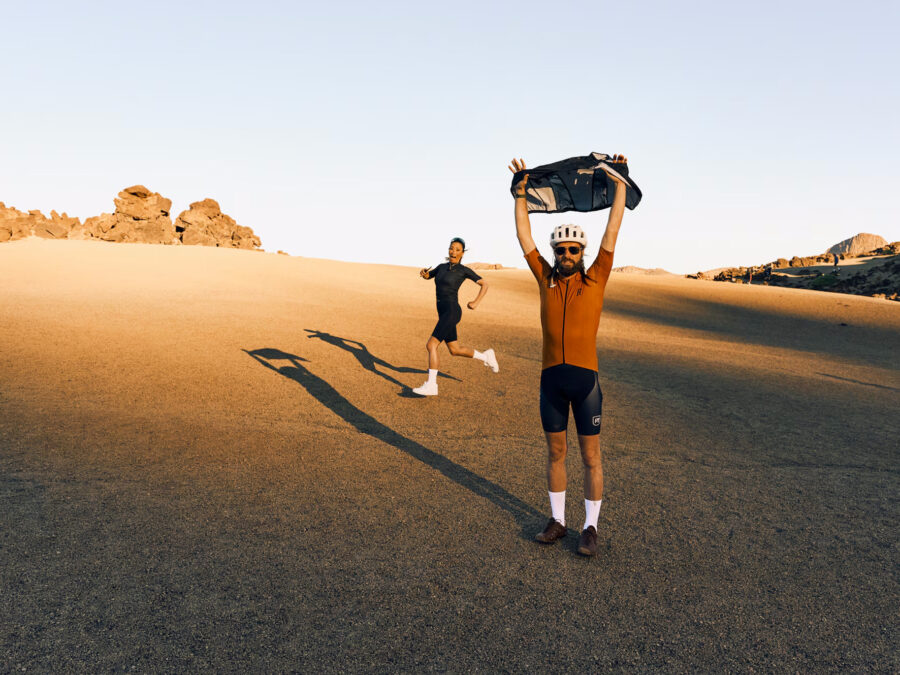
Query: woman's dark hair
{"x": 457, "y": 240}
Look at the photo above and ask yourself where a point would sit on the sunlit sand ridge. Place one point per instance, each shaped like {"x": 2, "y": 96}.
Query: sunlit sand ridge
{"x": 212, "y": 457}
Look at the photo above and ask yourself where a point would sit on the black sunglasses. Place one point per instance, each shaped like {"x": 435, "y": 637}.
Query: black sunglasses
{"x": 573, "y": 250}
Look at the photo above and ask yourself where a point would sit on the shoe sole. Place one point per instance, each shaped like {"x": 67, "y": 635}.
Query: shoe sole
{"x": 551, "y": 541}
{"x": 586, "y": 552}
{"x": 547, "y": 543}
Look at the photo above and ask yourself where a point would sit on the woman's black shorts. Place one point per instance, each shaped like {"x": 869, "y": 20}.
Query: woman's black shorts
{"x": 566, "y": 384}
{"x": 449, "y": 314}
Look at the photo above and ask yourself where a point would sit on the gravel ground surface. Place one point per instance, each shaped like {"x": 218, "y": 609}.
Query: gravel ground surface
{"x": 210, "y": 460}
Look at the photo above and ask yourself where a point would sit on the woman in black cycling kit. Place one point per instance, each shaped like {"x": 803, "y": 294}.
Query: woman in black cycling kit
{"x": 448, "y": 277}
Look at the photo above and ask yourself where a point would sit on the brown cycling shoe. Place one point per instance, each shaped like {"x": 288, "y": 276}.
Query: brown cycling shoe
{"x": 554, "y": 530}
{"x": 587, "y": 542}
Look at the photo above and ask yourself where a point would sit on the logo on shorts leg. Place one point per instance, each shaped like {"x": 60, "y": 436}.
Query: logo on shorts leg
{"x": 596, "y": 420}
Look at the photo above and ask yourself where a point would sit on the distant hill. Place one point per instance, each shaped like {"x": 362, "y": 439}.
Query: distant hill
{"x": 858, "y": 245}
{"x": 860, "y": 270}
{"x": 631, "y": 269}
{"x": 485, "y": 266}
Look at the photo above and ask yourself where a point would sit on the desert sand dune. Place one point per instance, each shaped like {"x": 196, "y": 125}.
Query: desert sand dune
{"x": 211, "y": 459}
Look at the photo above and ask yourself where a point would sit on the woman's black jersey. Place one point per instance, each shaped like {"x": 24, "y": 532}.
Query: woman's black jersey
{"x": 448, "y": 278}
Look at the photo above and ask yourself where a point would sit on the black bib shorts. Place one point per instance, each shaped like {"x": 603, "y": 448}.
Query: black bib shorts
{"x": 565, "y": 385}
{"x": 449, "y": 314}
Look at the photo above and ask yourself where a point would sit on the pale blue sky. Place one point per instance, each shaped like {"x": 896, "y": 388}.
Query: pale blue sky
{"x": 377, "y": 131}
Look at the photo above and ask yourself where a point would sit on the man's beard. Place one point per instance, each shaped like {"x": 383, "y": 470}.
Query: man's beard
{"x": 569, "y": 270}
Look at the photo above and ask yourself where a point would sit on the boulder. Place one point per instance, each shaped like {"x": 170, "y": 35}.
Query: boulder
{"x": 15, "y": 224}
{"x": 141, "y": 216}
{"x": 94, "y": 227}
{"x": 861, "y": 243}
{"x": 204, "y": 224}
{"x": 56, "y": 227}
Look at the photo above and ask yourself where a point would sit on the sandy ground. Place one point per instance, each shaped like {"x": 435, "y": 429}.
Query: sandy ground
{"x": 210, "y": 460}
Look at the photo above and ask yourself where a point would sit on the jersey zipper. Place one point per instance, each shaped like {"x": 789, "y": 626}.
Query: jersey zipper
{"x": 565, "y": 302}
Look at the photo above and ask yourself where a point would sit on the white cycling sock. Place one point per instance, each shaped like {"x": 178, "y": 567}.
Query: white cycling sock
{"x": 591, "y": 513}
{"x": 432, "y": 376}
{"x": 479, "y": 355}
{"x": 558, "y": 506}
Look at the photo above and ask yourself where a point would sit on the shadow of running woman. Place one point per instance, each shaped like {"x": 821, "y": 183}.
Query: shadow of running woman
{"x": 525, "y": 515}
{"x": 369, "y": 361}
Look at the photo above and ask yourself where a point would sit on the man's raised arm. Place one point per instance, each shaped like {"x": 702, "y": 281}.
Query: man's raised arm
{"x": 523, "y": 223}
{"x": 616, "y": 211}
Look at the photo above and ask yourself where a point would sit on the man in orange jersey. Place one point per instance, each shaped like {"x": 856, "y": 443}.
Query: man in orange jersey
{"x": 571, "y": 302}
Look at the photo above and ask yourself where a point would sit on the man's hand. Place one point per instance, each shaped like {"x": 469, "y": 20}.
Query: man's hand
{"x": 516, "y": 166}
{"x": 424, "y": 272}
{"x": 472, "y": 305}
{"x": 616, "y": 161}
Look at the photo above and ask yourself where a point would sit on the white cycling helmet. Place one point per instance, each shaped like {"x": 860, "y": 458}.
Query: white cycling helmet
{"x": 563, "y": 233}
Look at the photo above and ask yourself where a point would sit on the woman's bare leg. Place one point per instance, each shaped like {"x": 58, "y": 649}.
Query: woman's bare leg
{"x": 457, "y": 349}
{"x": 432, "y": 348}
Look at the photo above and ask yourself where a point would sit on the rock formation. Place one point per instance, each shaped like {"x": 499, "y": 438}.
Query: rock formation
{"x": 205, "y": 224}
{"x": 878, "y": 277}
{"x": 861, "y": 243}
{"x": 141, "y": 216}
{"x": 15, "y": 224}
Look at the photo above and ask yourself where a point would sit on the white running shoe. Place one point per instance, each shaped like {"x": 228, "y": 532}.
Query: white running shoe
{"x": 490, "y": 360}
{"x": 427, "y": 389}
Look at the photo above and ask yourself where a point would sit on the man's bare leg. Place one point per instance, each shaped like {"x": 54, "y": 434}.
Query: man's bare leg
{"x": 593, "y": 466}
{"x": 556, "y": 460}
{"x": 593, "y": 492}
{"x": 556, "y": 484}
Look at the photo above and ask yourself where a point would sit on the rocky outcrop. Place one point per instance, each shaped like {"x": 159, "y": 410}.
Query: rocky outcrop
{"x": 15, "y": 224}
{"x": 877, "y": 276}
{"x": 56, "y": 227}
{"x": 204, "y": 224}
{"x": 861, "y": 243}
{"x": 806, "y": 261}
{"x": 95, "y": 227}
{"x": 141, "y": 216}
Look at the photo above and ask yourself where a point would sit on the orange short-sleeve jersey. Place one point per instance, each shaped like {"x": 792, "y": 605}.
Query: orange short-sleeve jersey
{"x": 570, "y": 310}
